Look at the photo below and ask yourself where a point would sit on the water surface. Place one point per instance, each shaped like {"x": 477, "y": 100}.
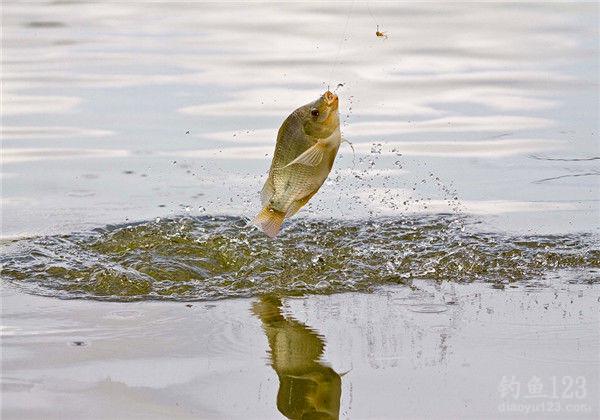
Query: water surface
{"x": 455, "y": 250}
{"x": 127, "y": 112}
{"x": 219, "y": 257}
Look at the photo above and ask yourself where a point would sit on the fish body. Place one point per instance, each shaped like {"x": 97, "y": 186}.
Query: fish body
{"x": 307, "y": 144}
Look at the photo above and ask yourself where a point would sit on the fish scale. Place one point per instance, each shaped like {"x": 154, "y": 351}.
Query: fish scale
{"x": 293, "y": 180}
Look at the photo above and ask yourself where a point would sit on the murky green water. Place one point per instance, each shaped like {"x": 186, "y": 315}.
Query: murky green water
{"x": 218, "y": 257}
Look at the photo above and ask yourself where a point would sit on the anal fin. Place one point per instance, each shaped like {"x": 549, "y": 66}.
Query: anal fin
{"x": 298, "y": 204}
{"x": 267, "y": 192}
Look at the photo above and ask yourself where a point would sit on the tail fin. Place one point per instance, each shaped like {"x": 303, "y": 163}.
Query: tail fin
{"x": 269, "y": 221}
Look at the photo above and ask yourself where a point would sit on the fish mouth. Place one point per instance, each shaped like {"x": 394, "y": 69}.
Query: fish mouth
{"x": 330, "y": 98}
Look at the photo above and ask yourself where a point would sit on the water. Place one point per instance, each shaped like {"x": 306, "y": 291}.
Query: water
{"x": 457, "y": 247}
{"x": 496, "y": 100}
{"x": 223, "y": 257}
{"x": 368, "y": 355}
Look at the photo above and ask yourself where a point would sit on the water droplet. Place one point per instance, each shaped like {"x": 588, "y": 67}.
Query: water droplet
{"x": 323, "y": 284}
{"x": 317, "y": 259}
{"x": 428, "y": 308}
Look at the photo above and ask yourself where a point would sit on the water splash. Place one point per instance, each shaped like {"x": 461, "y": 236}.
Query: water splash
{"x": 204, "y": 258}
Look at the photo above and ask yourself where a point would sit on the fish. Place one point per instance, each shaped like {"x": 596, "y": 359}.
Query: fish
{"x": 306, "y": 147}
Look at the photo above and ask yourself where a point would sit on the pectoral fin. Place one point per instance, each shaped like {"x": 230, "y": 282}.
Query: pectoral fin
{"x": 311, "y": 157}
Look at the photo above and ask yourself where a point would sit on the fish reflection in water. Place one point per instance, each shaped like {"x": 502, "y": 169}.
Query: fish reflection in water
{"x": 308, "y": 389}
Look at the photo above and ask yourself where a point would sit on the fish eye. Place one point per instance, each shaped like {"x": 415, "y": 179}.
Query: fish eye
{"x": 314, "y": 112}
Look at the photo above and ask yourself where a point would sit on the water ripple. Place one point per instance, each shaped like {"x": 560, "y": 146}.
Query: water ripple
{"x": 220, "y": 257}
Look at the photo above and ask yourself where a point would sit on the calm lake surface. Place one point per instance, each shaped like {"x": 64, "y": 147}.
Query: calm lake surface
{"x": 449, "y": 267}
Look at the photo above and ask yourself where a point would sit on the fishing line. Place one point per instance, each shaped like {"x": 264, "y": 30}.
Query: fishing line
{"x": 375, "y": 20}
{"x": 371, "y": 13}
{"x": 341, "y": 44}
{"x": 335, "y": 62}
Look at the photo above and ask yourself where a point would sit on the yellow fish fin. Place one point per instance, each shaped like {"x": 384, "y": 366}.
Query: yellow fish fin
{"x": 311, "y": 157}
{"x": 297, "y": 205}
{"x": 267, "y": 192}
{"x": 269, "y": 221}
